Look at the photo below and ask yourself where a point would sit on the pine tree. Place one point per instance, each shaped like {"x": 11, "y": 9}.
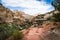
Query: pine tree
{"x": 0, "y": 2}
{"x": 56, "y": 4}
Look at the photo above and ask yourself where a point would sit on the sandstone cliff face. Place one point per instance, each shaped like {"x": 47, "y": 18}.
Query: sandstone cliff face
{"x": 46, "y": 15}
{"x": 18, "y": 18}
{"x": 41, "y": 18}
{"x": 23, "y": 15}
{"x": 5, "y": 14}
{"x": 8, "y": 16}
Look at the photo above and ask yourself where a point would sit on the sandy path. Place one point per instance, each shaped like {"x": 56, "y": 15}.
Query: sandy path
{"x": 35, "y": 34}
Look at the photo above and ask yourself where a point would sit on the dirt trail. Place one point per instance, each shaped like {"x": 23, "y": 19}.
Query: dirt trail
{"x": 34, "y": 34}
{"x": 40, "y": 33}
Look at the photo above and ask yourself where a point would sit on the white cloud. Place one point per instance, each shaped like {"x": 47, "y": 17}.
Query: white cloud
{"x": 32, "y": 6}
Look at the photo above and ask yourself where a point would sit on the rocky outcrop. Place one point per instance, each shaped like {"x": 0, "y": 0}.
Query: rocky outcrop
{"x": 47, "y": 17}
{"x": 23, "y": 15}
{"x": 6, "y": 15}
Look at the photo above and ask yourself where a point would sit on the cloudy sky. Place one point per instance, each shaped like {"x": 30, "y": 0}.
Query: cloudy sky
{"x": 31, "y": 7}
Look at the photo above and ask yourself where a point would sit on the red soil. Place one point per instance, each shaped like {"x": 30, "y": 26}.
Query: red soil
{"x": 40, "y": 33}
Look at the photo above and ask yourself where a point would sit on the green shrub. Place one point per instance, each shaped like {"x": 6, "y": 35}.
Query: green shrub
{"x": 17, "y": 35}
{"x": 6, "y": 30}
{"x": 56, "y": 4}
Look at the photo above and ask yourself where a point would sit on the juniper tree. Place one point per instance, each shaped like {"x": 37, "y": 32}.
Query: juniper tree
{"x": 56, "y": 4}
{"x": 0, "y": 2}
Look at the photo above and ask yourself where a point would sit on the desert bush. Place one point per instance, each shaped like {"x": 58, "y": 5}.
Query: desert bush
{"x": 17, "y": 35}
{"x": 7, "y": 30}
